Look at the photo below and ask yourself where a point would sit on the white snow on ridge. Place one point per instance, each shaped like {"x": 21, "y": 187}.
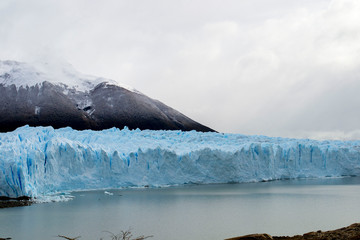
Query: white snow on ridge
{"x": 41, "y": 161}
{"x": 27, "y": 75}
{"x": 19, "y": 74}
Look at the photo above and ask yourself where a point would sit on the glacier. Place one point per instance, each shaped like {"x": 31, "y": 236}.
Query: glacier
{"x": 40, "y": 161}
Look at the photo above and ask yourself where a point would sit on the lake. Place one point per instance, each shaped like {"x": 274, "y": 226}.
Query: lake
{"x": 193, "y": 211}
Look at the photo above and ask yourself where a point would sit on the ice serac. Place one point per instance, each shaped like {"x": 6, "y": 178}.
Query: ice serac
{"x": 36, "y": 161}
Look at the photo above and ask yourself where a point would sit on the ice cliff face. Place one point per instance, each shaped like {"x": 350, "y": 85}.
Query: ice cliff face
{"x": 41, "y": 160}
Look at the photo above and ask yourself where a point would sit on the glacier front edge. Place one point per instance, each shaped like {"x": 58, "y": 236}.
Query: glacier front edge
{"x": 37, "y": 161}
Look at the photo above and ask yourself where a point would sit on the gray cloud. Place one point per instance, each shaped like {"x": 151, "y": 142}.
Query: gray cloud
{"x": 270, "y": 67}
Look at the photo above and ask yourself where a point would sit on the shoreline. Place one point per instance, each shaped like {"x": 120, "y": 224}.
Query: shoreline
{"x": 8, "y": 202}
{"x": 351, "y": 232}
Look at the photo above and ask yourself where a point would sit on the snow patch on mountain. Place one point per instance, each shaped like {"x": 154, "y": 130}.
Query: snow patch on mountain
{"x": 26, "y": 75}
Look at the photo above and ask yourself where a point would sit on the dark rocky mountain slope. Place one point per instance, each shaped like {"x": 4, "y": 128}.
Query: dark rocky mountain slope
{"x": 65, "y": 97}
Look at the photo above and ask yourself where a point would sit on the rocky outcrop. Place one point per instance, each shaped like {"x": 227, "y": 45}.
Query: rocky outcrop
{"x": 262, "y": 236}
{"x": 7, "y": 202}
{"x": 351, "y": 232}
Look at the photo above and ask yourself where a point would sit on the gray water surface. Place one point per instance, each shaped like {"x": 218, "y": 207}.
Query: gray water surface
{"x": 192, "y": 212}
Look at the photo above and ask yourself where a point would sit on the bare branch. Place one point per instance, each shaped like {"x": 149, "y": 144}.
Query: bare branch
{"x": 143, "y": 237}
{"x": 126, "y": 235}
{"x": 68, "y": 238}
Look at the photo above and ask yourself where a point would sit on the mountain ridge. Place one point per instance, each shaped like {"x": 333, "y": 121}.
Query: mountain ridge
{"x": 63, "y": 97}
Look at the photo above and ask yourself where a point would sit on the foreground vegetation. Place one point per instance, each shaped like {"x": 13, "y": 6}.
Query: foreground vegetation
{"x": 351, "y": 232}
{"x": 123, "y": 235}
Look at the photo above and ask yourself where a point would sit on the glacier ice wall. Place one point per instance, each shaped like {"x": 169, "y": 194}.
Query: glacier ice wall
{"x": 39, "y": 161}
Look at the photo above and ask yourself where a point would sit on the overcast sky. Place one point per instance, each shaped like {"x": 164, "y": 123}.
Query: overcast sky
{"x": 286, "y": 68}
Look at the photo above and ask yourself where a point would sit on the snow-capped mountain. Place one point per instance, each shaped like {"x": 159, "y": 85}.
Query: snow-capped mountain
{"x": 60, "y": 96}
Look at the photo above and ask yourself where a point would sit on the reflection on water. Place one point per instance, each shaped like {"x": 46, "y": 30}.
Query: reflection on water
{"x": 193, "y": 212}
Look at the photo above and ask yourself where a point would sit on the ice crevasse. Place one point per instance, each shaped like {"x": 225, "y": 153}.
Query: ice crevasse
{"x": 37, "y": 161}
